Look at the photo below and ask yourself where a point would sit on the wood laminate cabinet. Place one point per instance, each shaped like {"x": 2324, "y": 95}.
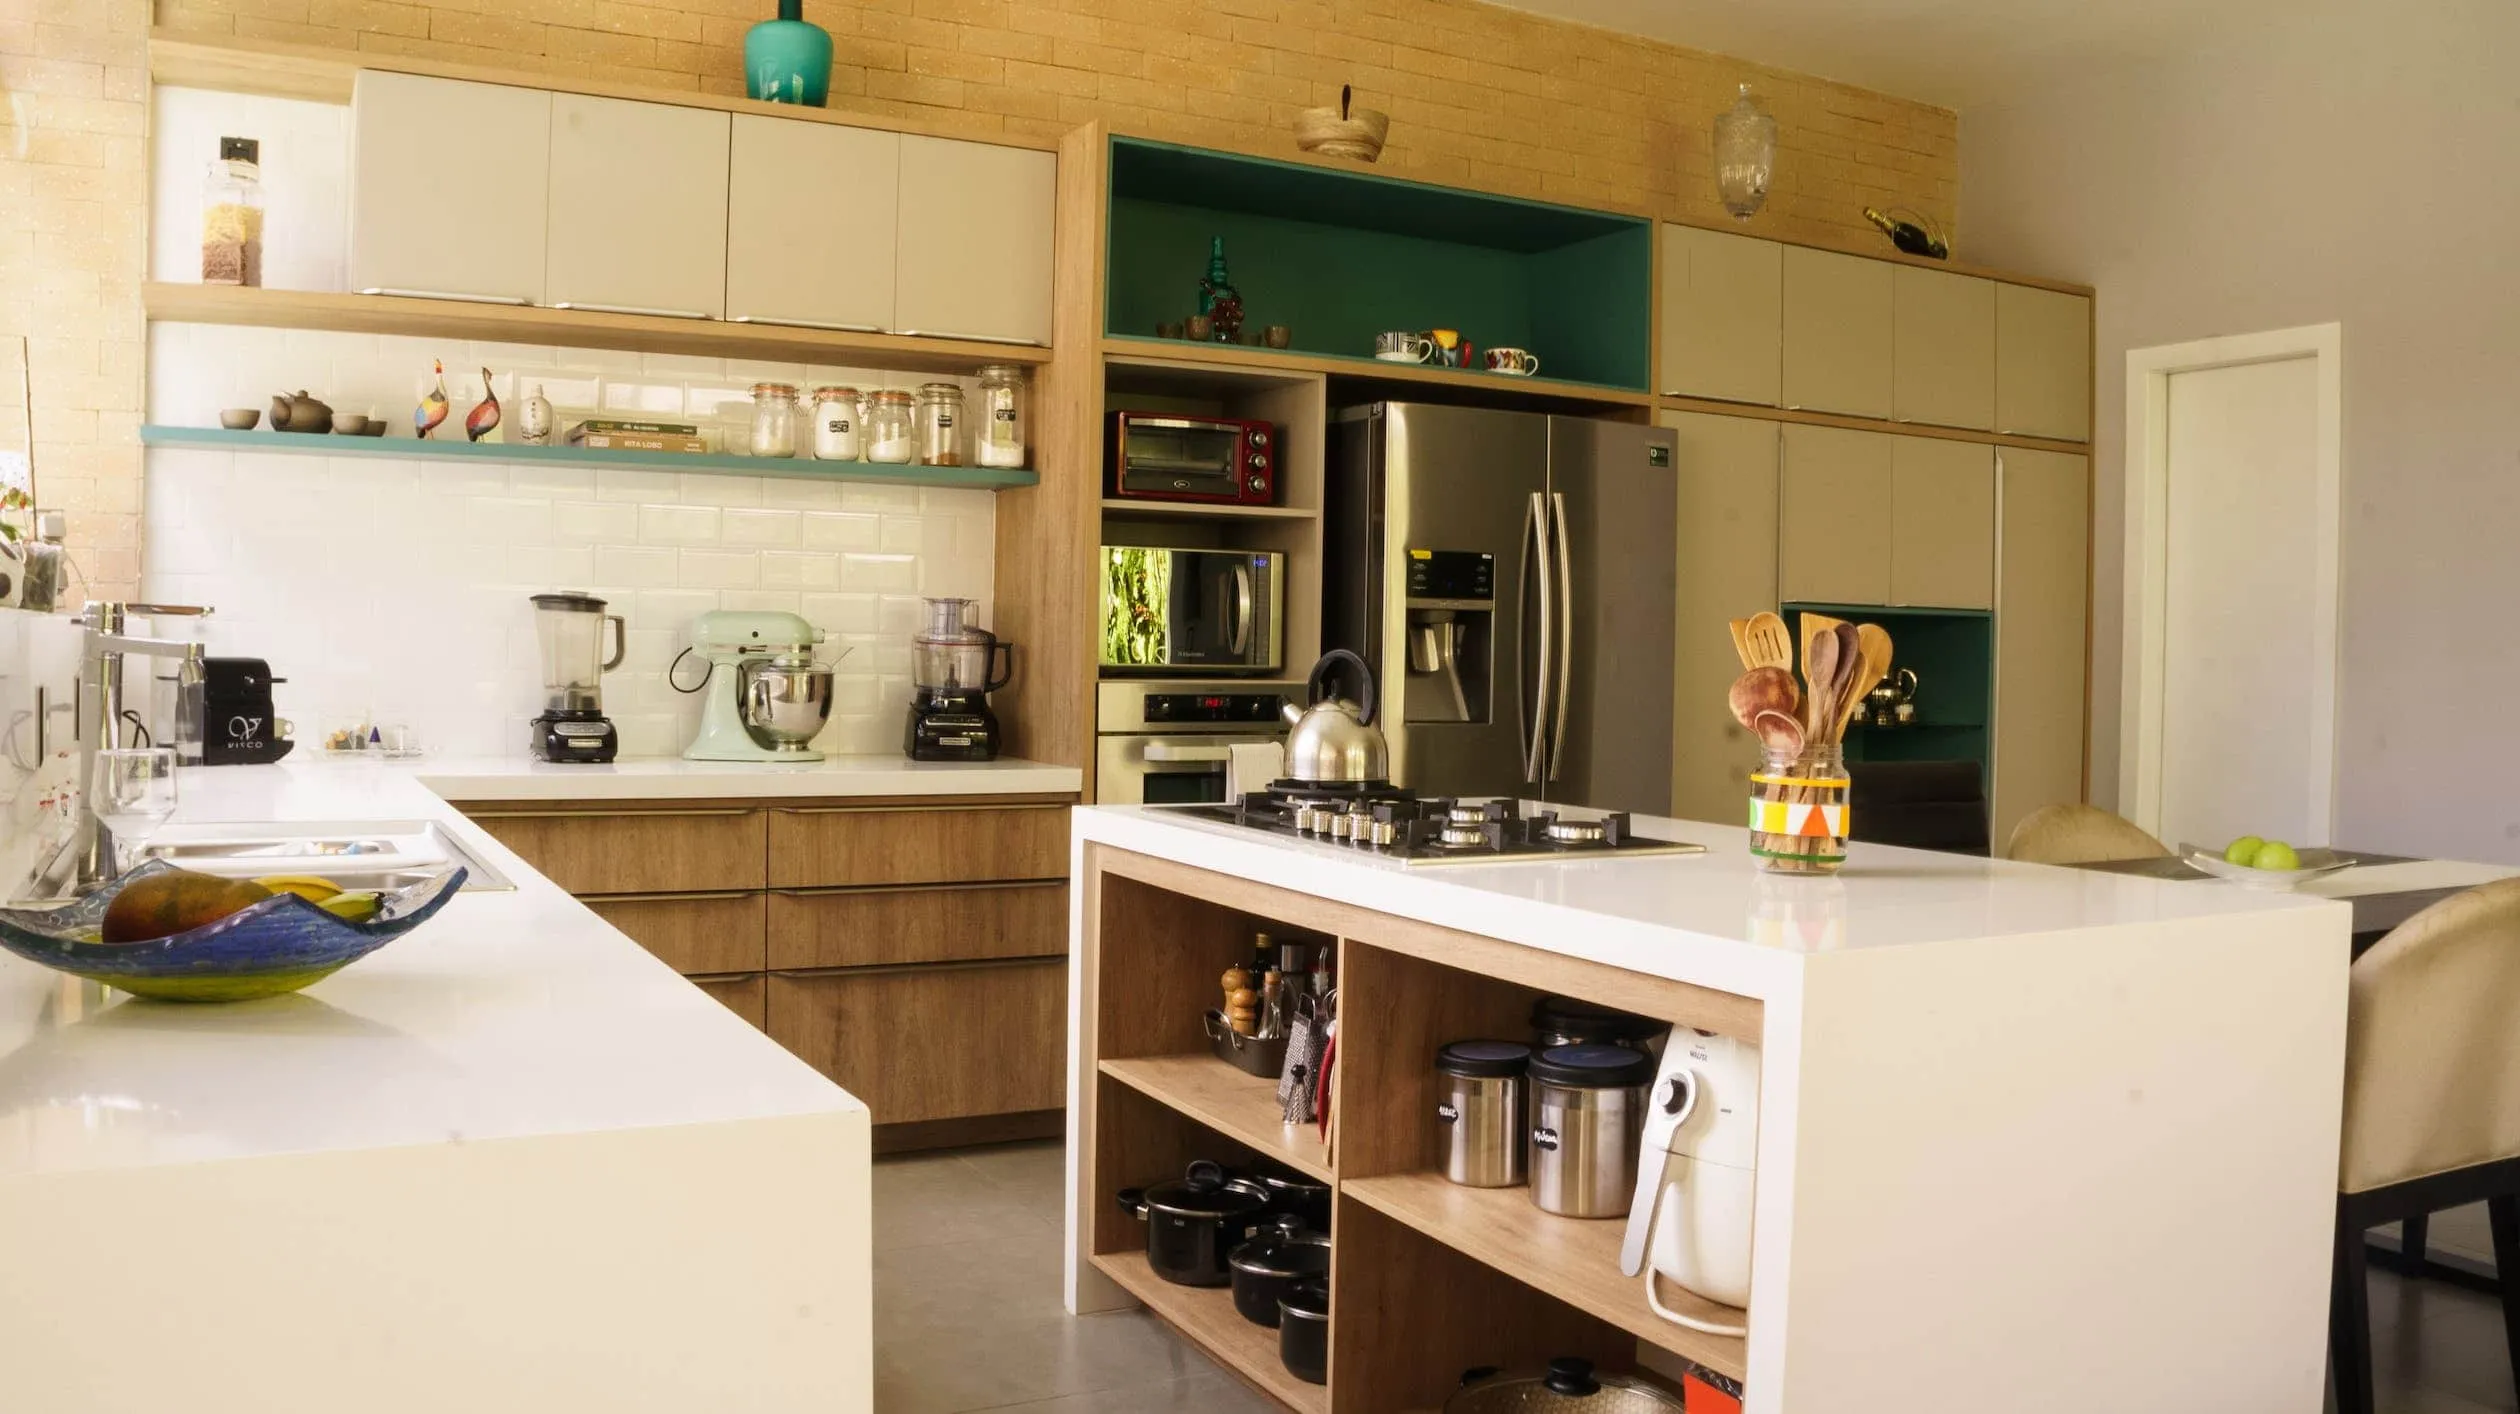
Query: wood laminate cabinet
{"x": 449, "y": 185}
{"x": 974, "y": 245}
{"x": 1837, "y": 333}
{"x": 1834, "y": 516}
{"x": 1722, "y": 315}
{"x": 682, "y": 850}
{"x": 1943, "y": 339}
{"x": 821, "y": 847}
{"x": 2042, "y": 363}
{"x": 875, "y": 927}
{"x": 1942, "y": 523}
{"x": 2041, "y": 644}
{"x": 695, "y": 934}
{"x": 638, "y": 207}
{"x": 953, "y": 1041}
{"x": 1726, "y": 569}
{"x": 747, "y": 996}
{"x": 810, "y": 216}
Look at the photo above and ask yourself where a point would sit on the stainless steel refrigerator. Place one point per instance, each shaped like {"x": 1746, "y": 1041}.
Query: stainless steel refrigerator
{"x": 1510, "y": 577}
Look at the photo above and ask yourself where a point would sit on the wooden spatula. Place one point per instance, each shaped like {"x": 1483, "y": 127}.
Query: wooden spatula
{"x": 1767, "y": 642}
{"x": 1872, "y": 643}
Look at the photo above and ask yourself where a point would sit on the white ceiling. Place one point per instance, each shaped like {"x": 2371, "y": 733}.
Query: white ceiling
{"x": 1957, "y": 53}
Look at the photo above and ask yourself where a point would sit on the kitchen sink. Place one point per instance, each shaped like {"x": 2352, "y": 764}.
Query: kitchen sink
{"x": 370, "y": 854}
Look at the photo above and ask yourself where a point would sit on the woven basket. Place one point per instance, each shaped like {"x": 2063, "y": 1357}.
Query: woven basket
{"x": 1355, "y": 134}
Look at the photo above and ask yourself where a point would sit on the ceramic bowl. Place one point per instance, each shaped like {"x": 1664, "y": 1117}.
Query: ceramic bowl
{"x": 2315, "y": 864}
{"x": 278, "y": 945}
{"x": 375, "y": 428}
{"x": 351, "y": 424}
{"x": 239, "y": 419}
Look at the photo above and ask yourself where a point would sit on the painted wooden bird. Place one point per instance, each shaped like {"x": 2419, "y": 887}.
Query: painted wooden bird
{"x": 433, "y": 404}
{"x": 485, "y": 414}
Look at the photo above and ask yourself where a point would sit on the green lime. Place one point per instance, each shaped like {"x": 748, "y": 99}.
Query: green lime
{"x": 2275, "y": 854}
{"x": 2243, "y": 850}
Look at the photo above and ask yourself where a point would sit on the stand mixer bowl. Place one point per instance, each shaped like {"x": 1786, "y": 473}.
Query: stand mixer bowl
{"x": 786, "y": 701}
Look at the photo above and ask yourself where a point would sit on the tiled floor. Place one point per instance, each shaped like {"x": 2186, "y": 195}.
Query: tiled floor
{"x": 967, "y": 1313}
{"x": 967, "y": 1310}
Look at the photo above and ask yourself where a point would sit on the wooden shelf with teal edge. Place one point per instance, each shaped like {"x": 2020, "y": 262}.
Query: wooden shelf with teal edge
{"x": 1952, "y": 652}
{"x": 1339, "y": 257}
{"x": 793, "y": 468}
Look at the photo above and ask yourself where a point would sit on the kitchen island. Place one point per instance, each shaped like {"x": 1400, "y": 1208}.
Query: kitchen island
{"x": 510, "y": 1161}
{"x": 2028, "y": 1138}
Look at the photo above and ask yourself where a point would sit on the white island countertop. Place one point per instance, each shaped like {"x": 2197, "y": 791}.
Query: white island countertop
{"x": 512, "y": 1119}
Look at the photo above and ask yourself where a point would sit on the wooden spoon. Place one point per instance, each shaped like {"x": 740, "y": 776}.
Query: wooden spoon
{"x": 1761, "y": 691}
{"x": 1850, "y": 667}
{"x": 1770, "y": 644}
{"x": 1872, "y": 665}
{"x": 1820, "y": 682}
{"x": 1779, "y": 733}
{"x": 1741, "y": 642}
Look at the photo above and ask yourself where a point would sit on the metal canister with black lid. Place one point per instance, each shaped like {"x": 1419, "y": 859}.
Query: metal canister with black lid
{"x": 1484, "y": 1110}
{"x": 1587, "y": 1121}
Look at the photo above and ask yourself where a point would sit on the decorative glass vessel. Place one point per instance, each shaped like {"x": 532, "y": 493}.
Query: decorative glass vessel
{"x": 787, "y": 60}
{"x": 1798, "y": 813}
{"x": 1745, "y": 155}
{"x": 1218, "y": 299}
{"x": 232, "y": 215}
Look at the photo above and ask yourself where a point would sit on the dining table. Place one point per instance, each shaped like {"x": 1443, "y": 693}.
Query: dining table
{"x": 2384, "y": 890}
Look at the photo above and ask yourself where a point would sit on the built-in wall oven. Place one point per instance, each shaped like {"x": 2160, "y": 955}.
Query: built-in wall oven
{"x": 1171, "y": 742}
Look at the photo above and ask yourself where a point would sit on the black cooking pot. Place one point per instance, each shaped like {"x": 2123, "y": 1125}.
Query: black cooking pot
{"x": 1304, "y": 1331}
{"x": 1290, "y": 1192}
{"x": 1194, "y": 1223}
{"x": 1268, "y": 1266}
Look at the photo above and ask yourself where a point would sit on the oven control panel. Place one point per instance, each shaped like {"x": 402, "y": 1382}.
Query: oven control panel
{"x": 1174, "y": 708}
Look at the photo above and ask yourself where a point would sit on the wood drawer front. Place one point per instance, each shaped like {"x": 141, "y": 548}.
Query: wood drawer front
{"x": 934, "y": 845}
{"x": 747, "y": 997}
{"x": 694, "y": 934}
{"x": 878, "y": 927}
{"x": 921, "y": 1043}
{"x": 648, "y": 852}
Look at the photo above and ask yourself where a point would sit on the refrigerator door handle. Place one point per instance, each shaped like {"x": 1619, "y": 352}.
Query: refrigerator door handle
{"x": 1565, "y": 632}
{"x": 1531, "y": 705}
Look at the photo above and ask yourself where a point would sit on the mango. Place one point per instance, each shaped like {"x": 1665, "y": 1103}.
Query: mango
{"x": 176, "y": 901}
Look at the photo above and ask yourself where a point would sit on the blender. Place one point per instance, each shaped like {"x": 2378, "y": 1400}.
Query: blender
{"x": 570, "y": 629}
{"x": 953, "y": 669}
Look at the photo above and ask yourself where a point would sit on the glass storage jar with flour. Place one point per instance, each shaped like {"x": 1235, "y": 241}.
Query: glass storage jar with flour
{"x": 889, "y": 414}
{"x": 999, "y": 430}
{"x": 839, "y": 421}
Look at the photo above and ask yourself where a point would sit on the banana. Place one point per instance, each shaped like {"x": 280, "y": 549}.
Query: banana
{"x": 357, "y": 907}
{"x": 310, "y": 887}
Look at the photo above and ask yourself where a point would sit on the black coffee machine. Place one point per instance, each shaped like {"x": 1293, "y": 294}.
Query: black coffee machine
{"x": 238, "y": 726}
{"x": 954, "y": 667}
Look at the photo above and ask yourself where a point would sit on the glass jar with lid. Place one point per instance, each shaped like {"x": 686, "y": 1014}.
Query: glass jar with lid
{"x": 940, "y": 424}
{"x": 889, "y": 415}
{"x": 774, "y": 420}
{"x": 1000, "y": 429}
{"x": 839, "y": 416}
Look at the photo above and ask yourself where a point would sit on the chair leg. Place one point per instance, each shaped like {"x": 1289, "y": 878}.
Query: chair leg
{"x": 2412, "y": 1236}
{"x": 2349, "y": 1315}
{"x": 2504, "y": 1214}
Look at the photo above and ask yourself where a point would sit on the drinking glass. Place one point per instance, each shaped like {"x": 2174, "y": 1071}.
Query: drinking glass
{"x": 133, "y": 793}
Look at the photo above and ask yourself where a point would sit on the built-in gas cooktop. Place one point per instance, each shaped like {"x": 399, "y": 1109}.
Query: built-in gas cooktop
{"x": 1386, "y": 822}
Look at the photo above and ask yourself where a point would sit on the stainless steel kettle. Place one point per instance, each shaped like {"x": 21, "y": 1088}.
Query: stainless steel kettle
{"x": 1334, "y": 740}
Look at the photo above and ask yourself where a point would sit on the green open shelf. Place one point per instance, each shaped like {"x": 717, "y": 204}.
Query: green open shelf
{"x": 1340, "y": 257}
{"x": 796, "y": 468}
{"x": 1952, "y": 652}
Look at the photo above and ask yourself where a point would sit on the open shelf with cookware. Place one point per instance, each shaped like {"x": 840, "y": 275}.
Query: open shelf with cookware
{"x": 1429, "y": 1276}
{"x": 1338, "y": 258}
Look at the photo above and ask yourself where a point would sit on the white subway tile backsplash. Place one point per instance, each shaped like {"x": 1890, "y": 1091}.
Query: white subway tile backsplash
{"x": 396, "y": 587}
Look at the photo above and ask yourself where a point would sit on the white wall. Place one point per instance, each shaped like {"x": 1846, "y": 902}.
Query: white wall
{"x": 2357, "y": 167}
{"x": 397, "y": 586}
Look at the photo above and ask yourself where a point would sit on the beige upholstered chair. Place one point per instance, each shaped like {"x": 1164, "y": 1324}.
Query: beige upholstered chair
{"x": 2432, "y": 1103}
{"x": 2079, "y": 834}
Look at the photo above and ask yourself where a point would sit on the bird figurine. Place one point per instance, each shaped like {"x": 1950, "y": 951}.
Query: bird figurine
{"x": 485, "y": 414}
{"x": 433, "y": 404}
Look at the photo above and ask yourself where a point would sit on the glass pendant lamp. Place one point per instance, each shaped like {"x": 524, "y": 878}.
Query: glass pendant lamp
{"x": 1745, "y": 155}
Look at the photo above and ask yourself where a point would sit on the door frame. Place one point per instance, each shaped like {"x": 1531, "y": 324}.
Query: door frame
{"x": 2142, "y": 666}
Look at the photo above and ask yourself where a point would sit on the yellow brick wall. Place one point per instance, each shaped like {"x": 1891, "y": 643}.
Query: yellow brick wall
{"x": 1479, "y": 96}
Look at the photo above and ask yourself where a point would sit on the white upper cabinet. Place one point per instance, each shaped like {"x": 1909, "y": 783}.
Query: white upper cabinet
{"x": 810, "y": 217}
{"x": 449, "y": 183}
{"x": 2042, "y": 363}
{"x": 1722, "y": 315}
{"x": 1838, "y": 345}
{"x": 638, "y": 207}
{"x": 974, "y": 244}
{"x": 1944, "y": 370}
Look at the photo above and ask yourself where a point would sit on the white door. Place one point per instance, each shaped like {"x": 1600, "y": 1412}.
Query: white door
{"x": 2247, "y": 623}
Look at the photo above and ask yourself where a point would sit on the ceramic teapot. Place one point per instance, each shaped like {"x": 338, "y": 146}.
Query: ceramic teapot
{"x": 297, "y": 412}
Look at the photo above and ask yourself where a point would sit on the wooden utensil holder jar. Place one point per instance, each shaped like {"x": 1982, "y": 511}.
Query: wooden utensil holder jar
{"x": 1798, "y": 810}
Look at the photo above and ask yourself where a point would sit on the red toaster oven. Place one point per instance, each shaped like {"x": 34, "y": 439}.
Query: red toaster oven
{"x": 1170, "y": 456}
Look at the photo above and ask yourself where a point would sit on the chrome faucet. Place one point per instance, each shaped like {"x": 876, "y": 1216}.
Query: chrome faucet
{"x": 87, "y": 859}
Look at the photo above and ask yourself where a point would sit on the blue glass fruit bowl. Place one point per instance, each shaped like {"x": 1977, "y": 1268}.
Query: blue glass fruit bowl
{"x": 276, "y": 945}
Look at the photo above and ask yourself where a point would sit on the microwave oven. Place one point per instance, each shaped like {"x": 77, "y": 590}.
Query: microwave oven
{"x": 1165, "y": 456}
{"x": 1191, "y": 611}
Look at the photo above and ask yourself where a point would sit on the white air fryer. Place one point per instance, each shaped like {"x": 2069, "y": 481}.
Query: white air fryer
{"x": 1696, "y": 1176}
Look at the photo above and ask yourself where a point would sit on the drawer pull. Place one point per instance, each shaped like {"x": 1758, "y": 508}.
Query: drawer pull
{"x": 949, "y": 887}
{"x": 911, "y": 809}
{"x": 590, "y": 814}
{"x": 891, "y": 969}
{"x": 701, "y": 896}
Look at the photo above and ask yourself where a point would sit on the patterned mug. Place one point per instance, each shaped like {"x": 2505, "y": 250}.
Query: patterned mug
{"x": 1401, "y": 346}
{"x": 1521, "y": 363}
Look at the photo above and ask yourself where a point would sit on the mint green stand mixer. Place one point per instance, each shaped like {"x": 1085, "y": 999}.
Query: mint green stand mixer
{"x": 766, "y": 697}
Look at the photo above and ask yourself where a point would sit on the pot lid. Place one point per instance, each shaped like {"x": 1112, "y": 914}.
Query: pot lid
{"x": 1306, "y": 1300}
{"x": 1203, "y": 1192}
{"x": 1565, "y": 1014}
{"x": 1569, "y": 1386}
{"x": 1279, "y": 1178}
{"x": 1593, "y": 1067}
{"x": 1287, "y": 1249}
{"x": 1483, "y": 1059}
